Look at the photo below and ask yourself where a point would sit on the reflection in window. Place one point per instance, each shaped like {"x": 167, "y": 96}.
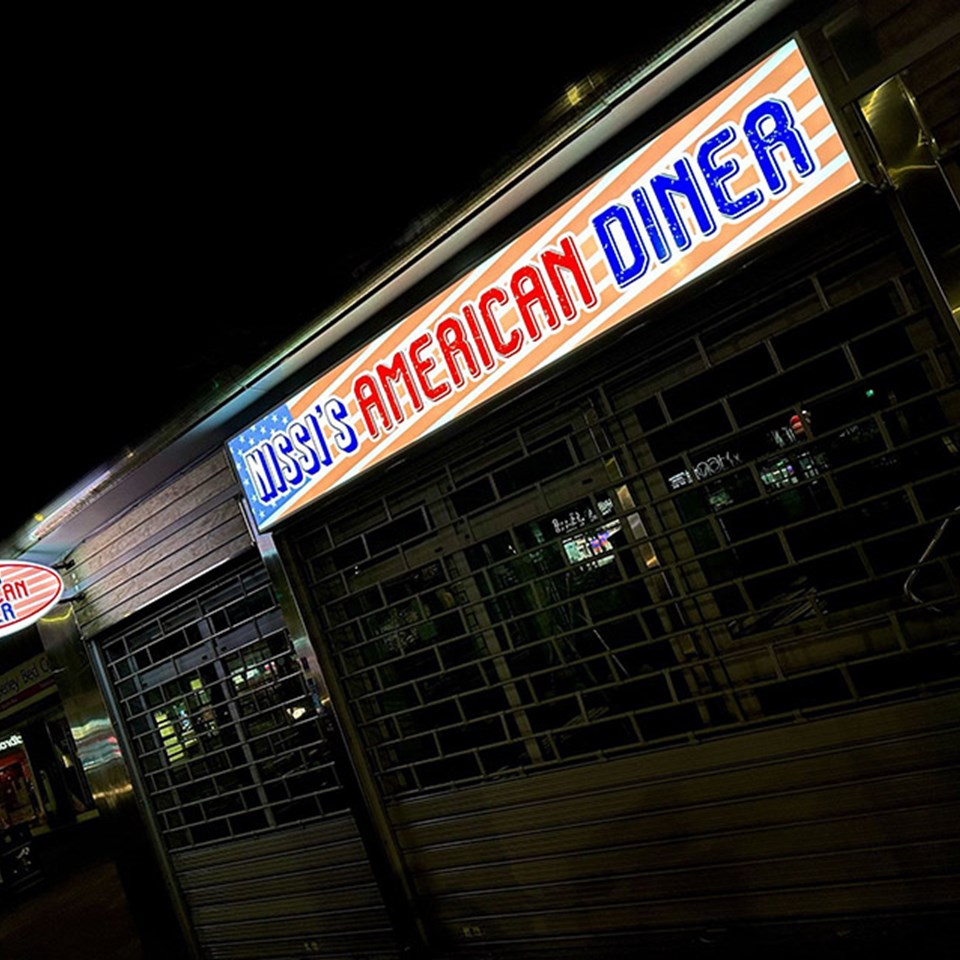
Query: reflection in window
{"x": 786, "y": 471}
{"x": 592, "y": 544}
{"x": 175, "y": 723}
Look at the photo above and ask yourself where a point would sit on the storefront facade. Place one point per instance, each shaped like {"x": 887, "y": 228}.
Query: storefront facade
{"x": 43, "y": 789}
{"x": 41, "y": 780}
{"x": 655, "y": 643}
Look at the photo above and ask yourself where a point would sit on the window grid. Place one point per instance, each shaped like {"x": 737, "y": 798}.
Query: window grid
{"x": 222, "y": 723}
{"x": 681, "y": 551}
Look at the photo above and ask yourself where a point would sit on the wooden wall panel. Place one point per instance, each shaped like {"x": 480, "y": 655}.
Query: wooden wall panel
{"x": 188, "y": 527}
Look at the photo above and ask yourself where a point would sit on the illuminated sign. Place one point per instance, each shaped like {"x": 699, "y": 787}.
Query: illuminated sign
{"x": 711, "y": 466}
{"x": 14, "y": 740}
{"x": 26, "y": 684}
{"x": 745, "y": 163}
{"x": 27, "y": 592}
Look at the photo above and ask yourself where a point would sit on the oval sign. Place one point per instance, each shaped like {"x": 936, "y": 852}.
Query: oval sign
{"x": 27, "y": 592}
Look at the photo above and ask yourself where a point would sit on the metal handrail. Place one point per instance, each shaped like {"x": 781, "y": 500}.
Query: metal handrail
{"x": 908, "y": 583}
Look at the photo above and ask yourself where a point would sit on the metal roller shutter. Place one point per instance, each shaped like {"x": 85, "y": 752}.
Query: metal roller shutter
{"x": 239, "y": 775}
{"x": 634, "y": 655}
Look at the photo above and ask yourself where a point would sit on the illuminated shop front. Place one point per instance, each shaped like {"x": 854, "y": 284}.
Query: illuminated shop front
{"x": 590, "y": 593}
{"x": 42, "y": 784}
{"x": 18, "y": 793}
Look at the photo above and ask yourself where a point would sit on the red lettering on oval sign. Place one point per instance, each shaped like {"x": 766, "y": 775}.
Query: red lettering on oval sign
{"x": 27, "y": 592}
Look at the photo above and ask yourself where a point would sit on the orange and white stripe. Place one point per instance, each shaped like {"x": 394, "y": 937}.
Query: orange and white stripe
{"x": 27, "y": 591}
{"x": 783, "y": 75}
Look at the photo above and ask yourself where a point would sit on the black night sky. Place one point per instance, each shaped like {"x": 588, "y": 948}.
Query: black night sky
{"x": 181, "y": 202}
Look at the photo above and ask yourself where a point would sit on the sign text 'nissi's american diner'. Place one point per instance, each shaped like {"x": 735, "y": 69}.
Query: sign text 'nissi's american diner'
{"x": 745, "y": 163}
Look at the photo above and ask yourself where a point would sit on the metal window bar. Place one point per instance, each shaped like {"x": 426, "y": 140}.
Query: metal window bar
{"x": 442, "y": 700}
{"x": 223, "y": 724}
